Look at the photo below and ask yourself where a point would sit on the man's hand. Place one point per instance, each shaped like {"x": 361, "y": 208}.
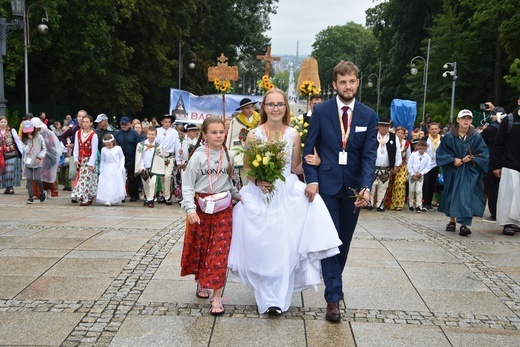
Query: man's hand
{"x": 363, "y": 202}
{"x": 498, "y": 172}
{"x": 311, "y": 190}
{"x": 457, "y": 162}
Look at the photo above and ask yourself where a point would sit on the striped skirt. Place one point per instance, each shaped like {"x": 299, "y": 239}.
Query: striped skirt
{"x": 12, "y": 175}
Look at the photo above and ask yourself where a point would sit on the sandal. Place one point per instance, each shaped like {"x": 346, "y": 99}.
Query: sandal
{"x": 450, "y": 226}
{"x": 217, "y": 309}
{"x": 202, "y": 293}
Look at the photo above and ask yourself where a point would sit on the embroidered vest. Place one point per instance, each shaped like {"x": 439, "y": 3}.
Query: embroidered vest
{"x": 7, "y": 143}
{"x": 85, "y": 147}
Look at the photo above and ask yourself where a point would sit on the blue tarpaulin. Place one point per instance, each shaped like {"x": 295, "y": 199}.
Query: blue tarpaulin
{"x": 403, "y": 113}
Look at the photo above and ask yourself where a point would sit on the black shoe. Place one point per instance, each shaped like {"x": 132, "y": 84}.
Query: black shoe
{"x": 74, "y": 201}
{"x": 150, "y": 204}
{"x": 380, "y": 209}
{"x": 274, "y": 311}
{"x": 417, "y": 209}
{"x": 410, "y": 208}
{"x": 450, "y": 226}
{"x": 369, "y": 208}
{"x": 43, "y": 196}
{"x": 132, "y": 199}
{"x": 509, "y": 230}
{"x": 161, "y": 200}
{"x": 169, "y": 202}
{"x": 464, "y": 231}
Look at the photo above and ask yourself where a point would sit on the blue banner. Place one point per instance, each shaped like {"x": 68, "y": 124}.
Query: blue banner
{"x": 189, "y": 108}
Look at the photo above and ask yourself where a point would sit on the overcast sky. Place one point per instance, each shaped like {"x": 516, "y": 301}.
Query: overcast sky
{"x": 301, "y": 20}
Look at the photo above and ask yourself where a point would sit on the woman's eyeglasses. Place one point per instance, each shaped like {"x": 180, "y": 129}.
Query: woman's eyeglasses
{"x": 271, "y": 105}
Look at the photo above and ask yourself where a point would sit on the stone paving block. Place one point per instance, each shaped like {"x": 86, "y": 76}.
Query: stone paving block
{"x": 79, "y": 254}
{"x": 383, "y": 298}
{"x": 132, "y": 245}
{"x": 171, "y": 291}
{"x": 49, "y": 242}
{"x": 460, "y": 337}
{"x": 66, "y": 288}
{"x": 127, "y": 234}
{"x": 373, "y": 276}
{"x": 10, "y": 286}
{"x": 464, "y": 302}
{"x": 398, "y": 335}
{"x": 72, "y": 267}
{"x": 77, "y": 233}
{"x": 370, "y": 253}
{"x": 167, "y": 331}
{"x": 36, "y": 328}
{"x": 443, "y": 276}
{"x": 33, "y": 253}
{"x": 231, "y": 331}
{"x": 25, "y": 266}
{"x": 324, "y": 334}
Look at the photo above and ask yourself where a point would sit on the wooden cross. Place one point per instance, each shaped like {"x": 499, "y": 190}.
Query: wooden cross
{"x": 222, "y": 70}
{"x": 268, "y": 58}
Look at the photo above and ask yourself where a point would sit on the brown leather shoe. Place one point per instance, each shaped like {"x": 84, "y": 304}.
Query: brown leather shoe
{"x": 333, "y": 314}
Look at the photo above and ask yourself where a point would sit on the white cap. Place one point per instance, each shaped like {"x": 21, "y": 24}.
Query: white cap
{"x": 101, "y": 117}
{"x": 37, "y": 122}
{"x": 464, "y": 113}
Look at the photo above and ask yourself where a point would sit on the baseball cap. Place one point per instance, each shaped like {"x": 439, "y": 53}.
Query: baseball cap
{"x": 101, "y": 117}
{"x": 27, "y": 127}
{"x": 125, "y": 120}
{"x": 464, "y": 113}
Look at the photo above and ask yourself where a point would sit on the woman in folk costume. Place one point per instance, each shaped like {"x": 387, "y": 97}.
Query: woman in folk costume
{"x": 149, "y": 163}
{"x": 112, "y": 173}
{"x": 85, "y": 159}
{"x": 397, "y": 187}
{"x": 10, "y": 147}
{"x": 463, "y": 156}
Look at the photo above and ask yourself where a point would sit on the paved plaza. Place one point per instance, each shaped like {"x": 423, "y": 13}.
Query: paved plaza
{"x": 110, "y": 276}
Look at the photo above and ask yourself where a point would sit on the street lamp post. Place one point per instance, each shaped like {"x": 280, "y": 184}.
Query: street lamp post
{"x": 370, "y": 85}
{"x": 413, "y": 71}
{"x": 191, "y": 65}
{"x": 453, "y": 74}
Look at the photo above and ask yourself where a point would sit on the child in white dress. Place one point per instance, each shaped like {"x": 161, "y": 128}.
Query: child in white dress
{"x": 112, "y": 176}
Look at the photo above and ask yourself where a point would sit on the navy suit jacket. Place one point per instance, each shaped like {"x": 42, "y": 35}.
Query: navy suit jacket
{"x": 325, "y": 134}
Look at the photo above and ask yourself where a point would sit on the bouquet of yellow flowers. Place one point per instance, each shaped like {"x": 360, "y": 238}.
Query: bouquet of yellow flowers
{"x": 307, "y": 88}
{"x": 300, "y": 126}
{"x": 266, "y": 160}
{"x": 223, "y": 87}
{"x": 265, "y": 84}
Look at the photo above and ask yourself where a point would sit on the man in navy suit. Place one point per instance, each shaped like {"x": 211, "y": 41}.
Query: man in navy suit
{"x": 343, "y": 130}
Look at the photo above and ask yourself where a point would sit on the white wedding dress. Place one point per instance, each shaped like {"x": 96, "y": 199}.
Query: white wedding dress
{"x": 277, "y": 246}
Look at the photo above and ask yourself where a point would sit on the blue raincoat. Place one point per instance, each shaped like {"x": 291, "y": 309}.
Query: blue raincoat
{"x": 463, "y": 192}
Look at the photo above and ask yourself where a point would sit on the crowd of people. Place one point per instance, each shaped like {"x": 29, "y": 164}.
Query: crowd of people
{"x": 265, "y": 231}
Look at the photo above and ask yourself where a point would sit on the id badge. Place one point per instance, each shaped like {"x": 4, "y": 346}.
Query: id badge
{"x": 342, "y": 158}
{"x": 28, "y": 161}
{"x": 210, "y": 207}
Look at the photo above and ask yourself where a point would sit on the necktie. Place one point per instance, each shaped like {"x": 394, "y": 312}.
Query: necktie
{"x": 344, "y": 117}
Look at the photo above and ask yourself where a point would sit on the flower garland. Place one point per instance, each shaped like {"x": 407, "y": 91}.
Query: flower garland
{"x": 300, "y": 126}
{"x": 223, "y": 87}
{"x": 265, "y": 84}
{"x": 307, "y": 88}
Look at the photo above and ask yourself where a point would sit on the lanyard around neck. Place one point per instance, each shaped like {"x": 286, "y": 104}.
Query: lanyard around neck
{"x": 209, "y": 167}
{"x": 345, "y": 134}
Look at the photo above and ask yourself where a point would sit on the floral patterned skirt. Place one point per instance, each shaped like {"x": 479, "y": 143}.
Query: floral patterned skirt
{"x": 398, "y": 196}
{"x": 206, "y": 248}
{"x": 86, "y": 184}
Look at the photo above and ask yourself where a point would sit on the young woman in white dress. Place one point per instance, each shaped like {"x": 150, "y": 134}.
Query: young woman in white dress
{"x": 277, "y": 246}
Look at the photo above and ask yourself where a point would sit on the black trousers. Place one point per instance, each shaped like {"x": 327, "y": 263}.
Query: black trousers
{"x": 131, "y": 182}
{"x": 430, "y": 186}
{"x": 491, "y": 183}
